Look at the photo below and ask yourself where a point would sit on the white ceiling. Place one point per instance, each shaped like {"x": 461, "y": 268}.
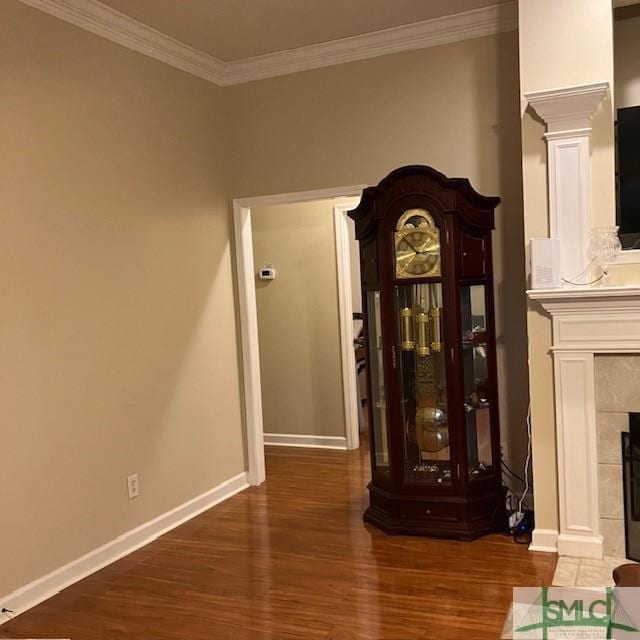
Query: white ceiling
{"x": 233, "y": 30}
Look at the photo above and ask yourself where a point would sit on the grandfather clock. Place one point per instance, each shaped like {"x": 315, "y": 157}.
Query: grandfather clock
{"x": 427, "y": 288}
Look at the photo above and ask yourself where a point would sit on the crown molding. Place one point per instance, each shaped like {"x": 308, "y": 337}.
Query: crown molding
{"x": 568, "y": 108}
{"x": 128, "y": 32}
{"x": 418, "y": 35}
{"x": 104, "y": 21}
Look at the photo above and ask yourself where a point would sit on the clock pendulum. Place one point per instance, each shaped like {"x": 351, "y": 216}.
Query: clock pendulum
{"x": 430, "y": 421}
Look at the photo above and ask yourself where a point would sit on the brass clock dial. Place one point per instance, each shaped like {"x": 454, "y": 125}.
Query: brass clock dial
{"x": 417, "y": 245}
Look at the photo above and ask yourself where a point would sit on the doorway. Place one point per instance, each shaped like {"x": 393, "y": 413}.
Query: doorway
{"x": 346, "y": 199}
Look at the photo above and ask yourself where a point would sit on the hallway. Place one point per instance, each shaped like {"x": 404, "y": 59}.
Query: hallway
{"x": 292, "y": 560}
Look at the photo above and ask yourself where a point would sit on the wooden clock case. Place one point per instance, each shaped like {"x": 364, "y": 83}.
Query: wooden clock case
{"x": 456, "y": 491}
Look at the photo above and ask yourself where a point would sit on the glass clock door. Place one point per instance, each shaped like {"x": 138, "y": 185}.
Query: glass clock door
{"x": 477, "y": 407}
{"x": 423, "y": 394}
{"x": 378, "y": 392}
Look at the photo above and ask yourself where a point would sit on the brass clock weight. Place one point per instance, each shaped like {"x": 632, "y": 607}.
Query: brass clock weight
{"x": 417, "y": 254}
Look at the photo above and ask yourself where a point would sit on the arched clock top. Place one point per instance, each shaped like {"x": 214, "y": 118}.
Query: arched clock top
{"x": 450, "y": 196}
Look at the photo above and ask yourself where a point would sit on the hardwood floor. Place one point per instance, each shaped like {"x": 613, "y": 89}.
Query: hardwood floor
{"x": 292, "y": 560}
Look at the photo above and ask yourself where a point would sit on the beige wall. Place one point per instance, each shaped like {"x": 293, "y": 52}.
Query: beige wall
{"x": 564, "y": 56}
{"x": 562, "y": 43}
{"x": 570, "y": 42}
{"x": 454, "y": 107}
{"x": 627, "y": 57}
{"x": 298, "y": 319}
{"x": 118, "y": 336}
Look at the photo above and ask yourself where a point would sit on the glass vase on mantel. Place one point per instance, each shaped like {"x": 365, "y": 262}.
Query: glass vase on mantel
{"x": 605, "y": 246}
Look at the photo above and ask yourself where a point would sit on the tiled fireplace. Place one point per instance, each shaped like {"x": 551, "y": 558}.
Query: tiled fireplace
{"x": 596, "y": 355}
{"x": 617, "y": 395}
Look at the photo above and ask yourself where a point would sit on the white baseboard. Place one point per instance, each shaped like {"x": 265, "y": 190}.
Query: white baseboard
{"x": 295, "y": 440}
{"x": 544, "y": 540}
{"x": 43, "y": 588}
{"x": 580, "y": 546}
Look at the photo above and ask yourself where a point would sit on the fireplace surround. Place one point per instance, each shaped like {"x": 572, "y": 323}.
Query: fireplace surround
{"x": 617, "y": 422}
{"x": 586, "y": 322}
{"x": 631, "y": 485}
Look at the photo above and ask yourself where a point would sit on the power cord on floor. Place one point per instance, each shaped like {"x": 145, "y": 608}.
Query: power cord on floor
{"x": 521, "y": 519}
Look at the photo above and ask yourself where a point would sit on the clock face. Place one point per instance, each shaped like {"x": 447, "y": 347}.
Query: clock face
{"x": 417, "y": 245}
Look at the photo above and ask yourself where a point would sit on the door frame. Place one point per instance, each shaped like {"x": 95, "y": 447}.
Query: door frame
{"x": 249, "y": 342}
{"x": 345, "y": 310}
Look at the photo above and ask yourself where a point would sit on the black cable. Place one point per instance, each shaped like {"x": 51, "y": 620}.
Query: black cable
{"x": 506, "y": 478}
{"x": 511, "y": 471}
{"x": 510, "y": 476}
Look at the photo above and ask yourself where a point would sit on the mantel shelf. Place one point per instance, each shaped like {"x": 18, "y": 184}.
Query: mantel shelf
{"x": 582, "y": 299}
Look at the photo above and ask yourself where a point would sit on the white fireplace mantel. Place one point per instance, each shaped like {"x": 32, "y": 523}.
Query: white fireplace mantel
{"x": 586, "y": 321}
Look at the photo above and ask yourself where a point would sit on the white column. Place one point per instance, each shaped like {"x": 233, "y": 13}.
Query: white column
{"x": 577, "y": 454}
{"x": 567, "y": 113}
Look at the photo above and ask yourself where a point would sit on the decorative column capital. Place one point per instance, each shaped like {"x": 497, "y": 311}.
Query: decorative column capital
{"x": 568, "y": 109}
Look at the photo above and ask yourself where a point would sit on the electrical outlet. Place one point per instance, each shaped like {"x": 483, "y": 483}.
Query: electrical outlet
{"x": 133, "y": 486}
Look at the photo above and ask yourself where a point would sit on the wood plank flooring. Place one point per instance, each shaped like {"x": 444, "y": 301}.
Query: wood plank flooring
{"x": 292, "y": 560}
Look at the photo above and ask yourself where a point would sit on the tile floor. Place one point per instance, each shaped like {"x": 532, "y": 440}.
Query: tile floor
{"x": 586, "y": 572}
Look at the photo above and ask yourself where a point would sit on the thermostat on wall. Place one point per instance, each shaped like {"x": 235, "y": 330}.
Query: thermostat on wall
{"x": 267, "y": 272}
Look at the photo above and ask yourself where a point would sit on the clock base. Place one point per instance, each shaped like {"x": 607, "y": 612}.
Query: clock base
{"x": 438, "y": 517}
